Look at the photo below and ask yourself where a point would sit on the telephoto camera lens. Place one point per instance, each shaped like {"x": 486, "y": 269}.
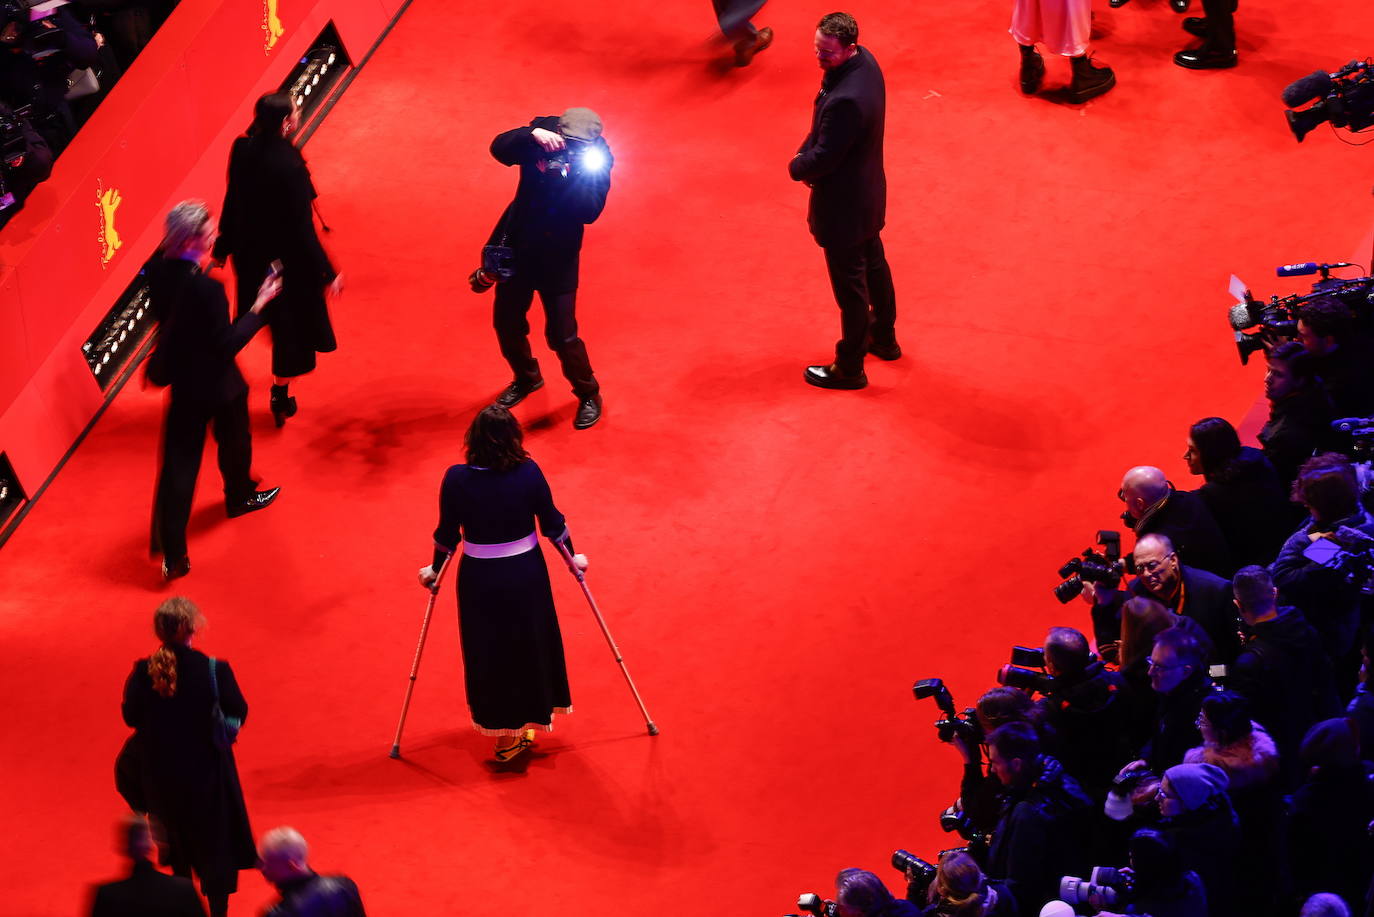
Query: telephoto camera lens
{"x": 480, "y": 281}
{"x": 917, "y": 870}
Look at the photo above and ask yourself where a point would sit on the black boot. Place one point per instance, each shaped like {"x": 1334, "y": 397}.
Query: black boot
{"x": 283, "y": 405}
{"x": 1032, "y": 69}
{"x": 1089, "y": 79}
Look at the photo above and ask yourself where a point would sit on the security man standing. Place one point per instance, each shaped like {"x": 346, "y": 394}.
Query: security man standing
{"x": 565, "y": 175}
{"x": 842, "y": 162}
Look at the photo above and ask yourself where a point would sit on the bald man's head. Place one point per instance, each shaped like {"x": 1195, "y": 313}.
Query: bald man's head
{"x": 1142, "y": 487}
{"x": 283, "y": 855}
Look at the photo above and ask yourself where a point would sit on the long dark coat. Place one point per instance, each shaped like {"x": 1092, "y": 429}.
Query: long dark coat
{"x": 192, "y": 786}
{"x": 842, "y": 158}
{"x": 266, "y": 217}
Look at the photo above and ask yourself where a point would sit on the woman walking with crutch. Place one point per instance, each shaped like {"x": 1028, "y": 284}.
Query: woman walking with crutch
{"x": 515, "y": 674}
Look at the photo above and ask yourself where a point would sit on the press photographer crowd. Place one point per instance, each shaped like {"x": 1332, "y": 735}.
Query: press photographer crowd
{"x": 1202, "y": 743}
{"x": 58, "y": 59}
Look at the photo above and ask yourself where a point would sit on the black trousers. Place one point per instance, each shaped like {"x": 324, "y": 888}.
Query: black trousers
{"x": 1221, "y": 25}
{"x": 510, "y": 318}
{"x": 862, "y": 283}
{"x": 183, "y": 445}
{"x": 734, "y": 16}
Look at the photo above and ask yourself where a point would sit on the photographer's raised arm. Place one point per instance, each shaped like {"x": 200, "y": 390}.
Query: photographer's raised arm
{"x": 516, "y": 147}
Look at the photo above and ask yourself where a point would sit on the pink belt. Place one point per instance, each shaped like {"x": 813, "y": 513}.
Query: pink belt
{"x": 505, "y": 549}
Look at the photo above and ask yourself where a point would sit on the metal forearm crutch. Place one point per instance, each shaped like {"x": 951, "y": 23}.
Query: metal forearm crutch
{"x": 615, "y": 650}
{"x": 420, "y": 648}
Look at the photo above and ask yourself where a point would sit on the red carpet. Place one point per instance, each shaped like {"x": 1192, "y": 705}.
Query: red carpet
{"x": 778, "y": 563}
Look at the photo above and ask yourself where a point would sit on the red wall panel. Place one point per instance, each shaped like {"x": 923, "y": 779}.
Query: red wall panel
{"x": 161, "y": 135}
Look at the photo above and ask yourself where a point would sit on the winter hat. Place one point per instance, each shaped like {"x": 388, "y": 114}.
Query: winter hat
{"x": 1330, "y": 743}
{"x": 580, "y": 124}
{"x": 1196, "y": 783}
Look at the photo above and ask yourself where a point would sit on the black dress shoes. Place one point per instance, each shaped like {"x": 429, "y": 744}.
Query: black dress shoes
{"x": 888, "y": 352}
{"x": 515, "y": 393}
{"x": 588, "y": 412}
{"x": 175, "y": 569}
{"x": 1202, "y": 59}
{"x": 1196, "y": 25}
{"x": 1180, "y": 6}
{"x": 830, "y": 377}
{"x": 1116, "y": 4}
{"x": 260, "y": 499}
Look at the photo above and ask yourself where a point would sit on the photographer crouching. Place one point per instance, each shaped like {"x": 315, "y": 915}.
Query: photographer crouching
{"x": 565, "y": 175}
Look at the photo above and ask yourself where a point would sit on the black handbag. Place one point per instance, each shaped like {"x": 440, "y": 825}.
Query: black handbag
{"x": 224, "y": 730}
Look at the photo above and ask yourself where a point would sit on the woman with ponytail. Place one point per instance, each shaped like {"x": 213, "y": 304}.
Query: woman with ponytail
{"x": 190, "y": 784}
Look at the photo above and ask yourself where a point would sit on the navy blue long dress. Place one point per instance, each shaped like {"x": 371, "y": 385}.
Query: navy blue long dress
{"x": 513, "y": 663}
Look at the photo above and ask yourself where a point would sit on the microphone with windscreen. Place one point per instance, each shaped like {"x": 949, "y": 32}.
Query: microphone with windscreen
{"x": 1307, "y": 89}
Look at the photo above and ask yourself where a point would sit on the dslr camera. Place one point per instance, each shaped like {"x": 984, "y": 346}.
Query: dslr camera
{"x": 812, "y": 903}
{"x": 498, "y": 265}
{"x": 1106, "y": 567}
{"x": 1027, "y": 669}
{"x": 1103, "y": 889}
{"x": 951, "y": 724}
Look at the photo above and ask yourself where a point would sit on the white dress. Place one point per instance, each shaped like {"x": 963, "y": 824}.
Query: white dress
{"x": 1062, "y": 26}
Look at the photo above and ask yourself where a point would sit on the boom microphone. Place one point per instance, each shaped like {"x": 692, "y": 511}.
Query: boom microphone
{"x": 1308, "y": 267}
{"x": 1302, "y": 91}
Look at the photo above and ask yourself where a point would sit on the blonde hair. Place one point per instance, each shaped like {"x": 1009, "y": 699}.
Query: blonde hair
{"x": 174, "y": 622}
{"x": 960, "y": 882}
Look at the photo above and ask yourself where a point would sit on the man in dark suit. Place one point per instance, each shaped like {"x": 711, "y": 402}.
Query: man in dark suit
{"x": 195, "y": 356}
{"x": 147, "y": 892}
{"x": 1153, "y": 507}
{"x": 565, "y": 175}
{"x": 842, "y": 162}
{"x": 1184, "y": 590}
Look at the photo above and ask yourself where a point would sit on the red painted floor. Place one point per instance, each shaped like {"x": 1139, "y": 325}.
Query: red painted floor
{"x": 777, "y": 562}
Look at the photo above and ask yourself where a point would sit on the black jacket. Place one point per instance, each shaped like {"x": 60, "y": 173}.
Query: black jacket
{"x": 196, "y": 345}
{"x": 1041, "y": 836}
{"x": 1347, "y": 374}
{"x": 544, "y": 223}
{"x": 1322, "y": 595}
{"x": 1176, "y": 723}
{"x": 1087, "y": 724}
{"x": 1205, "y": 598}
{"x": 1283, "y": 670}
{"x": 30, "y": 75}
{"x": 1252, "y": 507}
{"x": 190, "y": 784}
{"x": 319, "y": 896}
{"x": 1328, "y": 838}
{"x": 1188, "y": 523}
{"x": 1207, "y": 840}
{"x": 1298, "y": 426}
{"x": 147, "y": 893}
{"x": 842, "y": 158}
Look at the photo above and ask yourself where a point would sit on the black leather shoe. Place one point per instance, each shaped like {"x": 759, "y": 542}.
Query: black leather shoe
{"x": 175, "y": 569}
{"x": 1117, "y": 4}
{"x": 888, "y": 352}
{"x": 515, "y": 393}
{"x": 1202, "y": 59}
{"x": 261, "y": 499}
{"x": 588, "y": 412}
{"x": 1180, "y": 6}
{"x": 1196, "y": 25}
{"x": 283, "y": 405}
{"x": 830, "y": 377}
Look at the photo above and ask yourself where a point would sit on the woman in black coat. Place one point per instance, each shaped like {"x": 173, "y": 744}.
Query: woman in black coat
{"x": 513, "y": 664}
{"x": 267, "y": 218}
{"x": 191, "y": 786}
{"x": 1242, "y": 490}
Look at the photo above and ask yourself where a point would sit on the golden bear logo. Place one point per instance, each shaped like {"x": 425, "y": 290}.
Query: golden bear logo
{"x": 108, "y": 201}
{"x": 272, "y": 28}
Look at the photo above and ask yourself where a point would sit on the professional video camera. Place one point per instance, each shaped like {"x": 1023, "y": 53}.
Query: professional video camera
{"x": 1107, "y": 884}
{"x": 1027, "y": 668}
{"x": 1256, "y": 323}
{"x": 1105, "y": 567}
{"x": 1350, "y": 553}
{"x": 962, "y": 725}
{"x": 1345, "y": 98}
